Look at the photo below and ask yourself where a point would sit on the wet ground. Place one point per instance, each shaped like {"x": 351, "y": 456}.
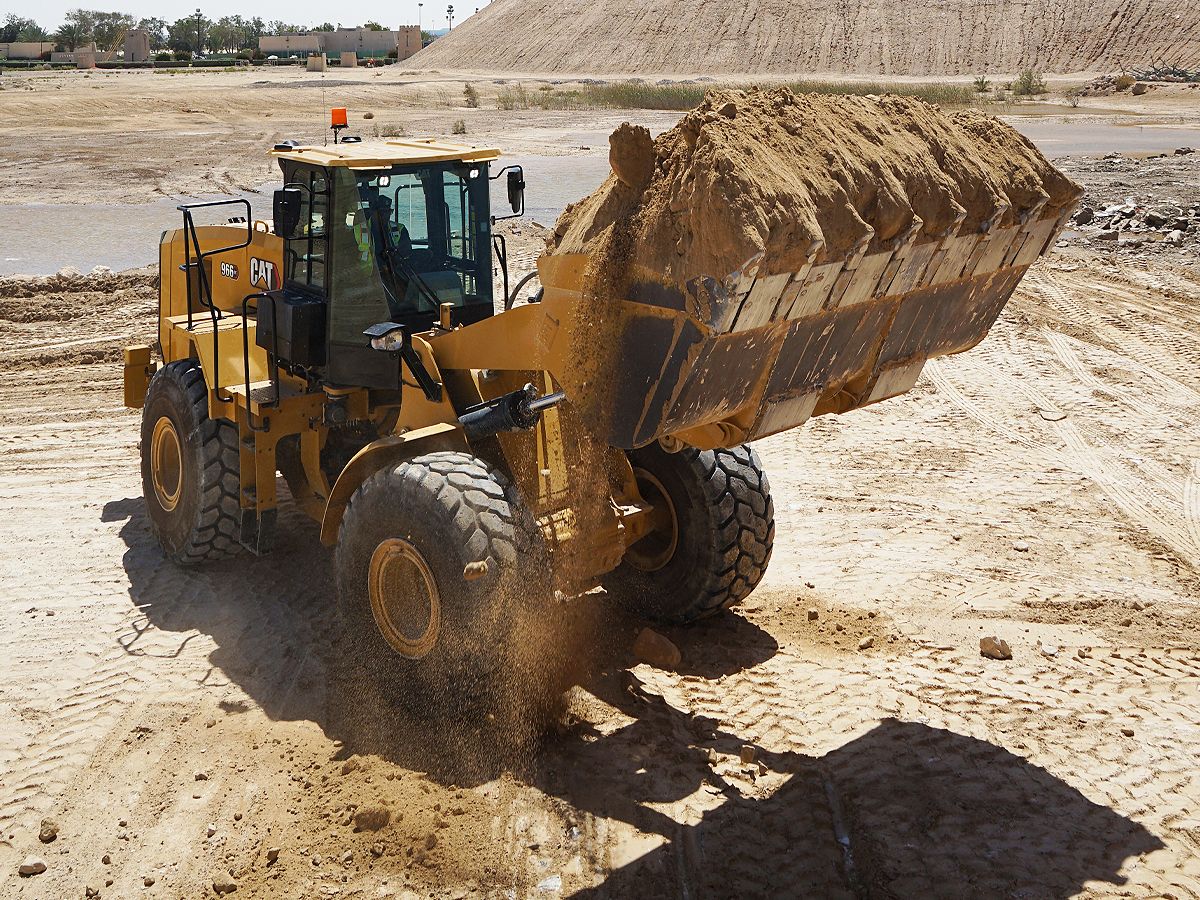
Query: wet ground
{"x": 40, "y": 239}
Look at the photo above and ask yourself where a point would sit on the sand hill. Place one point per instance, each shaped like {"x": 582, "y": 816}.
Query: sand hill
{"x": 872, "y": 37}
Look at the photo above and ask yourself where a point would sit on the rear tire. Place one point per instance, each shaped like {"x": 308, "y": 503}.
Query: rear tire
{"x": 433, "y": 636}
{"x": 713, "y": 543}
{"x": 189, "y": 468}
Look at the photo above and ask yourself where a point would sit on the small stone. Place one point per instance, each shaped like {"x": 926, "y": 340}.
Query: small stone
{"x": 430, "y": 841}
{"x": 48, "y": 832}
{"x": 212, "y": 829}
{"x": 813, "y": 615}
{"x": 237, "y": 817}
{"x": 1140, "y": 88}
{"x": 371, "y": 818}
{"x": 994, "y": 648}
{"x": 148, "y": 881}
{"x": 122, "y": 823}
{"x": 1049, "y": 650}
{"x": 1175, "y": 237}
{"x": 866, "y": 643}
{"x": 377, "y": 850}
{"x": 656, "y": 650}
{"x": 473, "y": 571}
{"x": 1085, "y": 215}
{"x": 1021, "y": 546}
{"x": 1125, "y": 623}
{"x": 201, "y": 776}
{"x": 1128, "y": 732}
{"x": 89, "y": 892}
{"x": 350, "y": 765}
{"x": 272, "y": 854}
{"x": 223, "y": 884}
{"x": 747, "y": 754}
{"x": 712, "y": 756}
{"x": 106, "y": 859}
{"x": 347, "y": 857}
{"x": 33, "y": 865}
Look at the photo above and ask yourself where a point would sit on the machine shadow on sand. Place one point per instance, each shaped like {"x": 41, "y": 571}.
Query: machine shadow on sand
{"x": 903, "y": 810}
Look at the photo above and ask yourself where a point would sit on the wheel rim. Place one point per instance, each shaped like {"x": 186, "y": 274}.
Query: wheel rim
{"x": 404, "y": 598}
{"x": 166, "y": 463}
{"x": 656, "y": 548}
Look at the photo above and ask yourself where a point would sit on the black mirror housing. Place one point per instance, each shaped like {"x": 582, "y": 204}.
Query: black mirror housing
{"x": 516, "y": 189}
{"x": 286, "y": 212}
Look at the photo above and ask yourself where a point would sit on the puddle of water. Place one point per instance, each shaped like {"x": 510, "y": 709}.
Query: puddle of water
{"x": 42, "y": 238}
{"x": 1096, "y": 139}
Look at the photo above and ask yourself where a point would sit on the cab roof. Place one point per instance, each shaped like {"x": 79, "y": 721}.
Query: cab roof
{"x": 384, "y": 155}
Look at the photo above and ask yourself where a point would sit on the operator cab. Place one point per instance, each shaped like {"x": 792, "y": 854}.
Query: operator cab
{"x": 383, "y": 234}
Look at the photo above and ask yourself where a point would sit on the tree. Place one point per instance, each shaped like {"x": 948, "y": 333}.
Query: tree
{"x": 14, "y": 28}
{"x": 109, "y": 28}
{"x": 71, "y": 35}
{"x": 373, "y": 26}
{"x": 77, "y": 28}
{"x": 182, "y": 34}
{"x": 156, "y": 29}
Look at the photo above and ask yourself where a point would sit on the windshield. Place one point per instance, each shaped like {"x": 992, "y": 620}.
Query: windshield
{"x": 425, "y": 234}
{"x": 398, "y": 243}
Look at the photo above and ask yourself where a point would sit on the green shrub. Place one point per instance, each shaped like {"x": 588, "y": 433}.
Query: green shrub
{"x": 459, "y": 127}
{"x": 1028, "y": 84}
{"x": 471, "y": 96}
{"x": 514, "y": 98}
{"x": 982, "y": 84}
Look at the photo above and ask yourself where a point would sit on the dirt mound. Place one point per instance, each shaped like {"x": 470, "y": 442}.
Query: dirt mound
{"x": 870, "y": 37}
{"x": 804, "y": 179}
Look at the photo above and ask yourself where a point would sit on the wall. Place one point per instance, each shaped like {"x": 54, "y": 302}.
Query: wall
{"x": 25, "y": 49}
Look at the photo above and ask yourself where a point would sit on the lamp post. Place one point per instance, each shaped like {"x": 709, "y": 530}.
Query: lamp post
{"x": 419, "y": 7}
{"x": 199, "y": 46}
{"x": 450, "y": 17}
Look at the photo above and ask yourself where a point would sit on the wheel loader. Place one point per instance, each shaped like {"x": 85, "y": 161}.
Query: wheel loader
{"x": 440, "y": 435}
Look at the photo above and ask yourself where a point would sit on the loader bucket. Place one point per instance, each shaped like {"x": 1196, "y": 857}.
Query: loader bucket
{"x": 718, "y": 358}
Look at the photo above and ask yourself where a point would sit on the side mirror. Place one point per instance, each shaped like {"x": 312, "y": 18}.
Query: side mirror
{"x": 516, "y": 189}
{"x": 286, "y": 211}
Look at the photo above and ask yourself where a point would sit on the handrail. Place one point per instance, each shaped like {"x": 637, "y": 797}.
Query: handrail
{"x": 274, "y": 356}
{"x": 191, "y": 240}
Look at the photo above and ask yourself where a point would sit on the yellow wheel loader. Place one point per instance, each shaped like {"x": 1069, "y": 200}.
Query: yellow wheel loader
{"x": 354, "y": 346}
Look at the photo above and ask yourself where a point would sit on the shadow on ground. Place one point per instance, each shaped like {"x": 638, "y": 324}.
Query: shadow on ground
{"x": 905, "y": 810}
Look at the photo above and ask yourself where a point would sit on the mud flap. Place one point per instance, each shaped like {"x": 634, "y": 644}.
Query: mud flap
{"x": 257, "y": 532}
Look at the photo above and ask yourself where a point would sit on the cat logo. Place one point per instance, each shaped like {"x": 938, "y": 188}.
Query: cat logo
{"x": 262, "y": 273}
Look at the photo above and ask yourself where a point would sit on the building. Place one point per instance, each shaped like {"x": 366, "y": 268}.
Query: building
{"x": 26, "y": 49}
{"x": 137, "y": 46}
{"x": 361, "y": 41}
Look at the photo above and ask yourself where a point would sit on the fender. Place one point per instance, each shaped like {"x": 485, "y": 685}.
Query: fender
{"x": 377, "y": 454}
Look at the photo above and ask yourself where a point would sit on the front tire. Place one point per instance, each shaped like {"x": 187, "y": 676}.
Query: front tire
{"x": 189, "y": 468}
{"x": 715, "y": 527}
{"x": 434, "y": 562}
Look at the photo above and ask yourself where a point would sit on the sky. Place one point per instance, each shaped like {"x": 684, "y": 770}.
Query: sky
{"x": 49, "y": 13}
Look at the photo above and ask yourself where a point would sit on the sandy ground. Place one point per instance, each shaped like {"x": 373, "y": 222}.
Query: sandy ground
{"x": 860, "y": 36}
{"x": 179, "y": 727}
{"x": 138, "y": 136}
